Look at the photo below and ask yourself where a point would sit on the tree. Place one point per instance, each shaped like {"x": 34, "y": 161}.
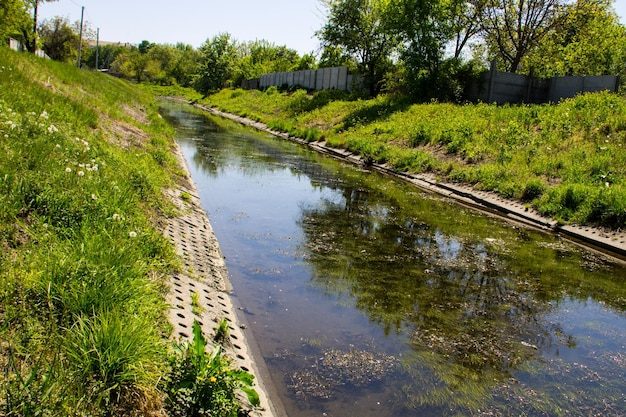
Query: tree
{"x": 360, "y": 28}
{"x": 145, "y": 46}
{"x": 588, "y": 40}
{"x": 32, "y": 40}
{"x": 185, "y": 65}
{"x": 262, "y": 57}
{"x": 465, "y": 23}
{"x": 217, "y": 63}
{"x": 512, "y": 28}
{"x": 106, "y": 55}
{"x": 334, "y": 56}
{"x": 58, "y": 39}
{"x": 424, "y": 26}
{"x": 15, "y": 20}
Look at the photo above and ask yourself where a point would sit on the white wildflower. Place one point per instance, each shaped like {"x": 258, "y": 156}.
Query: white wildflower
{"x": 68, "y": 169}
{"x": 116, "y": 217}
{"x": 94, "y": 197}
{"x": 132, "y": 234}
{"x": 44, "y": 115}
{"x": 81, "y": 173}
{"x": 52, "y": 129}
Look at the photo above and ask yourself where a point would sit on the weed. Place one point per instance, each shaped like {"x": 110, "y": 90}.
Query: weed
{"x": 196, "y": 307}
{"x": 202, "y": 384}
{"x": 221, "y": 332}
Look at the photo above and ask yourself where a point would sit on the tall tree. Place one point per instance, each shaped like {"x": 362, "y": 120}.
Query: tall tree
{"x": 217, "y": 62}
{"x": 465, "y": 22}
{"x": 185, "y": 64}
{"x": 58, "y": 39}
{"x": 15, "y": 20}
{"x": 588, "y": 40}
{"x": 514, "y": 27}
{"x": 361, "y": 28}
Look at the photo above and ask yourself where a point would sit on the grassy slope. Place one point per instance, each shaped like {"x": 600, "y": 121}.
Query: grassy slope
{"x": 567, "y": 160}
{"x": 83, "y": 160}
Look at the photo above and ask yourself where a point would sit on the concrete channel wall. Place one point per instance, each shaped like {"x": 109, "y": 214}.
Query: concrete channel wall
{"x": 334, "y": 78}
{"x": 504, "y": 87}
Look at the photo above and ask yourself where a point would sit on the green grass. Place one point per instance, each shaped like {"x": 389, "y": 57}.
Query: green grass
{"x": 83, "y": 163}
{"x": 567, "y": 160}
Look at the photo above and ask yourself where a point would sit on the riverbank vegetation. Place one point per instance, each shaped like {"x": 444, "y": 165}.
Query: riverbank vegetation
{"x": 566, "y": 160}
{"x": 84, "y": 162}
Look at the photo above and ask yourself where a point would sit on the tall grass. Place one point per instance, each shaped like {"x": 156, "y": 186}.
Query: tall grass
{"x": 568, "y": 160}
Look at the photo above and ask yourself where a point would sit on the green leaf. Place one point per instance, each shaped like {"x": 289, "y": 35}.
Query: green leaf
{"x": 252, "y": 395}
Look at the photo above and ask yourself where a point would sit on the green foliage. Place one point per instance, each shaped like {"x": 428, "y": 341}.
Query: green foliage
{"x": 59, "y": 40}
{"x": 16, "y": 21}
{"x": 360, "y": 29}
{"x": 201, "y": 383}
{"x": 218, "y": 58}
{"x": 260, "y": 57}
{"x": 587, "y": 40}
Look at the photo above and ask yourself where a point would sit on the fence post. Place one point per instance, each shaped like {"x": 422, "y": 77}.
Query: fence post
{"x": 492, "y": 80}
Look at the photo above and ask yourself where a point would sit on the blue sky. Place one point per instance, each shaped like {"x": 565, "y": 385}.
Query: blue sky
{"x": 284, "y": 22}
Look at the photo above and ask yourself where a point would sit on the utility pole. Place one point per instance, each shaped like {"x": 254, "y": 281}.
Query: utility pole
{"x": 80, "y": 41}
{"x": 97, "y": 46}
{"x": 35, "y": 8}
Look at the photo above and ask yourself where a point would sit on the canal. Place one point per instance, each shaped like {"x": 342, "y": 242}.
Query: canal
{"x": 369, "y": 297}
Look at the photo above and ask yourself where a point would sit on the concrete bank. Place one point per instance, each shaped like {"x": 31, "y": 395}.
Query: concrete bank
{"x": 610, "y": 242}
{"x": 202, "y": 292}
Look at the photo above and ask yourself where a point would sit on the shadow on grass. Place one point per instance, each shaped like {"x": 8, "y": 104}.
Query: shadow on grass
{"x": 375, "y": 110}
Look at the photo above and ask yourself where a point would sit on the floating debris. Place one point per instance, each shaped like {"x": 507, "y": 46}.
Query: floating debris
{"x": 335, "y": 368}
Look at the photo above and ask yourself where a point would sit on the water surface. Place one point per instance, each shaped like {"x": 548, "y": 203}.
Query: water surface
{"x": 369, "y": 297}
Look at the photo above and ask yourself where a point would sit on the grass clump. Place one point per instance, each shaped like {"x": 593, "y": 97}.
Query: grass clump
{"x": 531, "y": 153}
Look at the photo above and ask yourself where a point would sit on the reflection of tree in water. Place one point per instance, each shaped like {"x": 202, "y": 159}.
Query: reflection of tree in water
{"x": 472, "y": 311}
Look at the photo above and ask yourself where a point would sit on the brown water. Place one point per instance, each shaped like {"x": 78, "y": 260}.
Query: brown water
{"x": 368, "y": 297}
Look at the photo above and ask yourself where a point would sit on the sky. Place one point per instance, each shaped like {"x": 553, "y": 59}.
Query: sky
{"x": 283, "y": 22}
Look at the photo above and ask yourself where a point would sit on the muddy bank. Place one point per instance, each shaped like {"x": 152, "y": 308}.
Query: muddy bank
{"x": 610, "y": 242}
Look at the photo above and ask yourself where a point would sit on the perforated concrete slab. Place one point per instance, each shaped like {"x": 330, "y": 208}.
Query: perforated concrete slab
{"x": 201, "y": 291}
